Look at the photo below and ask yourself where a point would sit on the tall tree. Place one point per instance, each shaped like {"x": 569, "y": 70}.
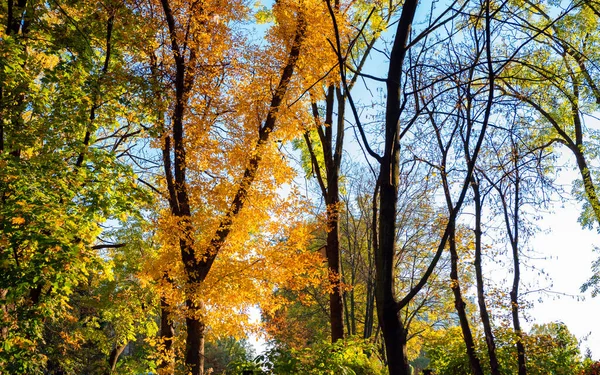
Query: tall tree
{"x": 61, "y": 177}
{"x": 188, "y": 28}
{"x": 326, "y": 149}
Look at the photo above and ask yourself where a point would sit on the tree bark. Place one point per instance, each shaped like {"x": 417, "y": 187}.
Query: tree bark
{"x": 336, "y": 305}
{"x": 114, "y": 357}
{"x": 333, "y": 158}
{"x": 194, "y": 345}
{"x": 332, "y": 155}
{"x": 483, "y": 312}
{"x": 460, "y": 306}
{"x": 167, "y": 334}
{"x": 513, "y": 234}
{"x": 514, "y": 293}
{"x": 394, "y": 333}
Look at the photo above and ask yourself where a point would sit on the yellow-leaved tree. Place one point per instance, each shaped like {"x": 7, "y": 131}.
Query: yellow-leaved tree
{"x": 229, "y": 234}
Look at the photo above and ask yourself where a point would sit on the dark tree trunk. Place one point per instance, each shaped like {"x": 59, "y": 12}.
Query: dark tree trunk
{"x": 194, "y": 345}
{"x": 513, "y": 234}
{"x": 514, "y": 293}
{"x": 483, "y": 312}
{"x": 395, "y": 338}
{"x": 167, "y": 334}
{"x": 460, "y": 306}
{"x": 336, "y": 305}
{"x": 394, "y": 333}
{"x": 329, "y": 184}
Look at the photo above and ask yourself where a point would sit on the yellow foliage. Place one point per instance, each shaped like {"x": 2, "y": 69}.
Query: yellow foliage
{"x": 17, "y": 220}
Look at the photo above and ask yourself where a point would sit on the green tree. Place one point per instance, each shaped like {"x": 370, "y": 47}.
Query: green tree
{"x": 65, "y": 102}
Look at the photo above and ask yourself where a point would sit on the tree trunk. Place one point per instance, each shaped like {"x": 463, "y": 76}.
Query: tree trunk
{"x": 518, "y": 331}
{"x": 395, "y": 338}
{"x": 514, "y": 242}
{"x": 460, "y": 305}
{"x": 114, "y": 357}
{"x": 483, "y": 312}
{"x": 194, "y": 345}
{"x": 332, "y": 155}
{"x": 167, "y": 334}
{"x": 391, "y": 325}
{"x": 394, "y": 333}
{"x": 336, "y": 305}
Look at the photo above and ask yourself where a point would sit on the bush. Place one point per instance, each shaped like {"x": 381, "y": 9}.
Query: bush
{"x": 590, "y": 367}
{"x": 345, "y": 357}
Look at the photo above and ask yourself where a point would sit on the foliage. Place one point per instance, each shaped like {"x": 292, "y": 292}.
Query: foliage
{"x": 221, "y": 353}
{"x": 590, "y": 367}
{"x": 550, "y": 349}
{"x": 350, "y": 356}
{"x": 60, "y": 177}
{"x": 113, "y": 309}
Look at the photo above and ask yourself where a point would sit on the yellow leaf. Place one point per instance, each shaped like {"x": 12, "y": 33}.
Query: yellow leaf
{"x": 18, "y": 220}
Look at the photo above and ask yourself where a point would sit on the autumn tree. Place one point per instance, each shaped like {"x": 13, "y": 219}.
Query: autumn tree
{"x": 355, "y": 30}
{"x": 211, "y": 116}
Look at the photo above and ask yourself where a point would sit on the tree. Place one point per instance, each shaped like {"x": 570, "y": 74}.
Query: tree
{"x": 62, "y": 86}
{"x": 561, "y": 90}
{"x": 388, "y": 307}
{"x": 200, "y": 245}
{"x": 324, "y": 151}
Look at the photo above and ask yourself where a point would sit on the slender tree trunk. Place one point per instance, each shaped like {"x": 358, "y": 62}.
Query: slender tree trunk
{"x": 114, "y": 357}
{"x": 167, "y": 334}
{"x": 371, "y": 285}
{"x": 352, "y": 327}
{"x": 336, "y": 305}
{"x": 369, "y": 311}
{"x": 394, "y": 333}
{"x": 329, "y": 184}
{"x": 460, "y": 305}
{"x": 483, "y": 312}
{"x": 514, "y": 242}
{"x": 514, "y": 300}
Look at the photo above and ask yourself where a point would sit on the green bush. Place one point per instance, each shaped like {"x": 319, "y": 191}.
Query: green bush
{"x": 345, "y": 357}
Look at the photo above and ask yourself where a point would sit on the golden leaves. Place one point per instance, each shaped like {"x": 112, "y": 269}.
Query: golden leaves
{"x": 17, "y": 221}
